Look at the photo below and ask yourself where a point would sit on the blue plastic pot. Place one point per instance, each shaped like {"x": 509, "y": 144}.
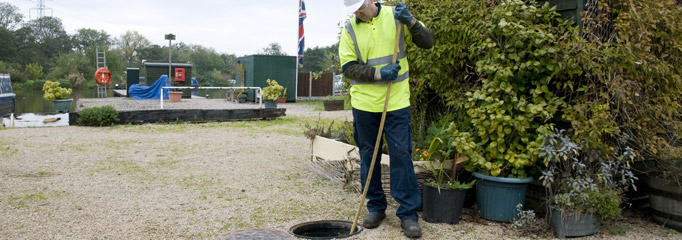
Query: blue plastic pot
{"x": 62, "y": 105}
{"x": 497, "y": 197}
{"x": 573, "y": 225}
{"x": 270, "y": 104}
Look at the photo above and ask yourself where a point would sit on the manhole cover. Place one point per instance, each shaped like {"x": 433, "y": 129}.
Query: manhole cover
{"x": 325, "y": 229}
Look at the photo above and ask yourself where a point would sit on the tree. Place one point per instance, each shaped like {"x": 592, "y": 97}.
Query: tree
{"x": 274, "y": 49}
{"x": 86, "y": 38}
{"x": 51, "y": 38}
{"x": 10, "y": 16}
{"x": 153, "y": 53}
{"x": 8, "y": 51}
{"x": 320, "y": 59}
{"x": 130, "y": 44}
{"x": 35, "y": 71}
{"x": 230, "y": 61}
{"x": 206, "y": 63}
{"x": 27, "y": 48}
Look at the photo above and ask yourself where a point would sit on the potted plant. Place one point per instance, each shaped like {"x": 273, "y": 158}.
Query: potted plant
{"x": 512, "y": 109}
{"x": 443, "y": 195}
{"x": 582, "y": 190}
{"x": 332, "y": 104}
{"x": 174, "y": 96}
{"x": 58, "y": 95}
{"x": 241, "y": 97}
{"x": 283, "y": 97}
{"x": 271, "y": 93}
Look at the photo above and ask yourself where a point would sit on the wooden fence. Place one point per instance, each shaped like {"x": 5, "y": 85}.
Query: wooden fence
{"x": 322, "y": 86}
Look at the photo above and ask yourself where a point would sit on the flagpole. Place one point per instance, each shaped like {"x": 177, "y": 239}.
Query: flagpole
{"x": 297, "y": 43}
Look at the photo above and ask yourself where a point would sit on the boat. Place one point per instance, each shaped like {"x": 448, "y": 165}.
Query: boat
{"x": 7, "y": 96}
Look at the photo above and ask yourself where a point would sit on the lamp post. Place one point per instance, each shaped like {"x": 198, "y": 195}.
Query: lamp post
{"x": 169, "y": 37}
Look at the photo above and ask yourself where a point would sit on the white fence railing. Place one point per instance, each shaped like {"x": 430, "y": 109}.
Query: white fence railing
{"x": 258, "y": 92}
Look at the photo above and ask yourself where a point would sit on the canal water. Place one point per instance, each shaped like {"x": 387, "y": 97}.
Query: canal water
{"x": 31, "y": 101}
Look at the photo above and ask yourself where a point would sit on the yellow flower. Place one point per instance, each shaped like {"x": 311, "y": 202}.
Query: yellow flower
{"x": 418, "y": 150}
{"x": 426, "y": 153}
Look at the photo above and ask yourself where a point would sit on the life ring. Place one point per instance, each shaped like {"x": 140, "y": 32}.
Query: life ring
{"x": 102, "y": 76}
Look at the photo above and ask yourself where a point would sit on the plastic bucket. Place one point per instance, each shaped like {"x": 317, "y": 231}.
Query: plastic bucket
{"x": 497, "y": 197}
{"x": 443, "y": 207}
{"x": 62, "y": 105}
{"x": 572, "y": 225}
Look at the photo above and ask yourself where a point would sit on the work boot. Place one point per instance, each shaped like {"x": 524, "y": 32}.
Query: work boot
{"x": 373, "y": 219}
{"x": 411, "y": 228}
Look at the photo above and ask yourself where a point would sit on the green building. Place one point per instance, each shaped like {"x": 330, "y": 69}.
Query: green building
{"x": 255, "y": 70}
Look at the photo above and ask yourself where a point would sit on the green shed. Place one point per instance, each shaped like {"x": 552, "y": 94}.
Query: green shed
{"x": 181, "y": 75}
{"x": 259, "y": 68}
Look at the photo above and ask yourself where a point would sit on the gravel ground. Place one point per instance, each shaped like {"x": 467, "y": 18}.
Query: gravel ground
{"x": 197, "y": 181}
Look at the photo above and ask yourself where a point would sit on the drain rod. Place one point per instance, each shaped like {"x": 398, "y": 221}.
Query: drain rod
{"x": 381, "y": 131}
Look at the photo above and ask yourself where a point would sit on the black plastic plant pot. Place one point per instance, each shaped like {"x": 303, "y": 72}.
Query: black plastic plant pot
{"x": 324, "y": 229}
{"x": 443, "y": 207}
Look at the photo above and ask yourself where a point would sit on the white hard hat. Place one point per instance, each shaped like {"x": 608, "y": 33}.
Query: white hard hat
{"x": 352, "y": 5}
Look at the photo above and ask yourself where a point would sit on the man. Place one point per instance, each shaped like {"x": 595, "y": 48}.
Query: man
{"x": 365, "y": 51}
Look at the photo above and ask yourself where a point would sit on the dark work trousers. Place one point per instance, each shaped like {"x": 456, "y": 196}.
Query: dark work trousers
{"x": 398, "y": 133}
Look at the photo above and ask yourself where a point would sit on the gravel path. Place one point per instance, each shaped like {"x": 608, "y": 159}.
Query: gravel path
{"x": 195, "y": 181}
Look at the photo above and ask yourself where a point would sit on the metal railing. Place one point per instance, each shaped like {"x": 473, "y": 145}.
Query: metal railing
{"x": 258, "y": 92}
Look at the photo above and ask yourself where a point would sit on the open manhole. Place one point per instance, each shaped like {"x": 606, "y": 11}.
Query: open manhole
{"x": 324, "y": 229}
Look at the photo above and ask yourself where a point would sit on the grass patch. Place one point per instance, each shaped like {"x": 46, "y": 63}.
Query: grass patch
{"x": 32, "y": 199}
{"x": 39, "y": 173}
{"x": 121, "y": 167}
{"x": 7, "y": 151}
{"x": 619, "y": 230}
{"x": 202, "y": 182}
{"x": 163, "y": 163}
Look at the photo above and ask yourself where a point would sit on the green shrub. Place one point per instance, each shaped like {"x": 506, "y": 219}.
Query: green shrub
{"x": 98, "y": 116}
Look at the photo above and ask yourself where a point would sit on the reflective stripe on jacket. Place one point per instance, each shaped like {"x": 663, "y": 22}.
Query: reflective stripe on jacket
{"x": 372, "y": 43}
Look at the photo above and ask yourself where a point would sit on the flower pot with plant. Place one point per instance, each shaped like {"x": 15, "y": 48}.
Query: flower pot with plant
{"x": 241, "y": 97}
{"x": 332, "y": 104}
{"x": 271, "y": 93}
{"x": 283, "y": 97}
{"x": 512, "y": 109}
{"x": 58, "y": 95}
{"x": 582, "y": 190}
{"x": 174, "y": 96}
{"x": 444, "y": 194}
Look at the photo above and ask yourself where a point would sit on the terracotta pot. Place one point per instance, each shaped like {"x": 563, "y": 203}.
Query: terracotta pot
{"x": 174, "y": 96}
{"x": 282, "y": 100}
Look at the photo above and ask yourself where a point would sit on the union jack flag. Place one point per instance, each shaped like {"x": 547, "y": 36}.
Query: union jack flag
{"x": 301, "y": 36}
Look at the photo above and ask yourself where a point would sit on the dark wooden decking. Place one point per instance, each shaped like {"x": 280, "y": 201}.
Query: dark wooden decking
{"x": 190, "y": 115}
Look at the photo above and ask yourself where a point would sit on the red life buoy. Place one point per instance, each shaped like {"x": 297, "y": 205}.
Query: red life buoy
{"x": 102, "y": 76}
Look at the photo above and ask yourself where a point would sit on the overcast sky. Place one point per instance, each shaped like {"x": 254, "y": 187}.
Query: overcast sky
{"x": 228, "y": 26}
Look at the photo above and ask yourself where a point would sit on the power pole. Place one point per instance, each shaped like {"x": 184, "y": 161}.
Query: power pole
{"x": 40, "y": 9}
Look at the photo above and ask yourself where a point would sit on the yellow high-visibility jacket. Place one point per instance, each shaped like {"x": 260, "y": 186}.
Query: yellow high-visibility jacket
{"x": 372, "y": 43}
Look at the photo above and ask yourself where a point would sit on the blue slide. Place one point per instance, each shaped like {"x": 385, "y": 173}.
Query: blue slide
{"x": 151, "y": 92}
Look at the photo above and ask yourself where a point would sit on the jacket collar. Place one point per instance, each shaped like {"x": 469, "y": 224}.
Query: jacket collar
{"x": 378, "y": 4}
